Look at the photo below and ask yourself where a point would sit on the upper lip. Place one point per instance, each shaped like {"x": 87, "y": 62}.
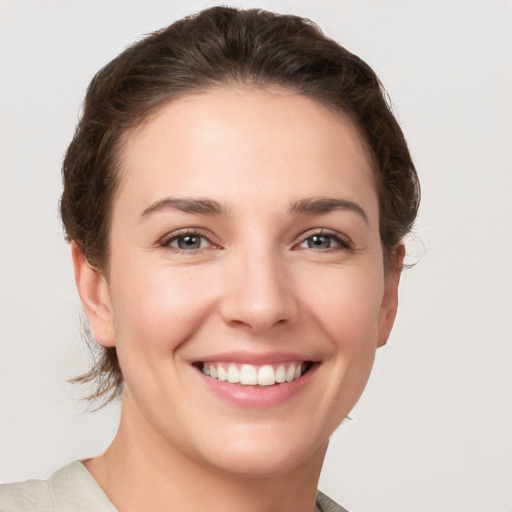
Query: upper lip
{"x": 253, "y": 358}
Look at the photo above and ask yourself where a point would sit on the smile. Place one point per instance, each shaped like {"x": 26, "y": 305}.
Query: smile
{"x": 255, "y": 375}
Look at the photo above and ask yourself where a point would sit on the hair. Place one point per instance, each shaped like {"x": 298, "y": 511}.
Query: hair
{"x": 218, "y": 47}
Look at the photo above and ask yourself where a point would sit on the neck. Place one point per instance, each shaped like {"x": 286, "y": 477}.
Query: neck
{"x": 140, "y": 470}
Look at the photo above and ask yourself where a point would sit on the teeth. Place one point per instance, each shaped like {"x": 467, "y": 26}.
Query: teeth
{"x": 221, "y": 373}
{"x": 250, "y": 375}
{"x": 267, "y": 376}
{"x": 233, "y": 374}
{"x": 281, "y": 374}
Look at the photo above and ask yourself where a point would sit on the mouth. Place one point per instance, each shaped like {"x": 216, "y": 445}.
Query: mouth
{"x": 245, "y": 374}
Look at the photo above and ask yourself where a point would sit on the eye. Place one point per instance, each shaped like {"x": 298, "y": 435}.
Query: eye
{"x": 186, "y": 242}
{"x": 324, "y": 241}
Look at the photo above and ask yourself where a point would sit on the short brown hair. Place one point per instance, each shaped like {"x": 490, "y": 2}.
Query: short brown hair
{"x": 222, "y": 46}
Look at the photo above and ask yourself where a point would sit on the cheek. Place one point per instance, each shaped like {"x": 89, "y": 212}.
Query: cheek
{"x": 157, "y": 309}
{"x": 347, "y": 305}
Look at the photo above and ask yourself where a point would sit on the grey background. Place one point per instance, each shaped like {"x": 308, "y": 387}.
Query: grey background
{"x": 433, "y": 429}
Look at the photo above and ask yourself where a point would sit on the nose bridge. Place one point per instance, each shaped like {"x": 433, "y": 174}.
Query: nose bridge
{"x": 260, "y": 294}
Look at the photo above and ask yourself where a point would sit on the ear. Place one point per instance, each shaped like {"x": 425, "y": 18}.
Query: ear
{"x": 95, "y": 296}
{"x": 389, "y": 303}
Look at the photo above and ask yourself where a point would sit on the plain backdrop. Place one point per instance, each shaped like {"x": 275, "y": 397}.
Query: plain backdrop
{"x": 433, "y": 430}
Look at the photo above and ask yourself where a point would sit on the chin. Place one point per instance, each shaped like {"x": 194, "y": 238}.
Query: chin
{"x": 264, "y": 454}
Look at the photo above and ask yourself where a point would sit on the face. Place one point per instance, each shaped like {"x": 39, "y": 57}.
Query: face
{"x": 246, "y": 295}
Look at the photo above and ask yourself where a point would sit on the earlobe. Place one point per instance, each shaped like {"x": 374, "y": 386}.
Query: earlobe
{"x": 94, "y": 293}
{"x": 389, "y": 303}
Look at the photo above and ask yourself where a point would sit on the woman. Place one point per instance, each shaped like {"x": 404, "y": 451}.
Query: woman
{"x": 235, "y": 196}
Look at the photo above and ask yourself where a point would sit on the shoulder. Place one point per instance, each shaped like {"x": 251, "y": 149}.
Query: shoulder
{"x": 29, "y": 496}
{"x": 71, "y": 488}
{"x": 325, "y": 504}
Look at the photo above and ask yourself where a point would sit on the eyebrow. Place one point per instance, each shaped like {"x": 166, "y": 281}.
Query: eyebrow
{"x": 305, "y": 206}
{"x": 319, "y": 205}
{"x": 187, "y": 205}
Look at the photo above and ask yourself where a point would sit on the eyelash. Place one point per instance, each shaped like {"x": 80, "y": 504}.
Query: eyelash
{"x": 342, "y": 242}
{"x": 166, "y": 241}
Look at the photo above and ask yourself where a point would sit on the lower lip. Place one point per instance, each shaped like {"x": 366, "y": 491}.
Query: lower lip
{"x": 258, "y": 396}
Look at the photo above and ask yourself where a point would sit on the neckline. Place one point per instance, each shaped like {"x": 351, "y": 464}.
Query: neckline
{"x": 74, "y": 486}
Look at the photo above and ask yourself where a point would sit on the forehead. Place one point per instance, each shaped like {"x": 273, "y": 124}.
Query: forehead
{"x": 234, "y": 141}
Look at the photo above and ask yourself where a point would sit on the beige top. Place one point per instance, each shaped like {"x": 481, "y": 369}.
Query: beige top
{"x": 73, "y": 489}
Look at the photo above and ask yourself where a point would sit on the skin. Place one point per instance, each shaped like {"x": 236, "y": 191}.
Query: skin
{"x": 254, "y": 285}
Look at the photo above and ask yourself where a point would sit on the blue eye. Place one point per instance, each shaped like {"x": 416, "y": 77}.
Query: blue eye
{"x": 187, "y": 242}
{"x": 323, "y": 241}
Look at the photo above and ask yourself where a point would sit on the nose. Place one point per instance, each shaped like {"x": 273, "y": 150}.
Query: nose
{"x": 259, "y": 293}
